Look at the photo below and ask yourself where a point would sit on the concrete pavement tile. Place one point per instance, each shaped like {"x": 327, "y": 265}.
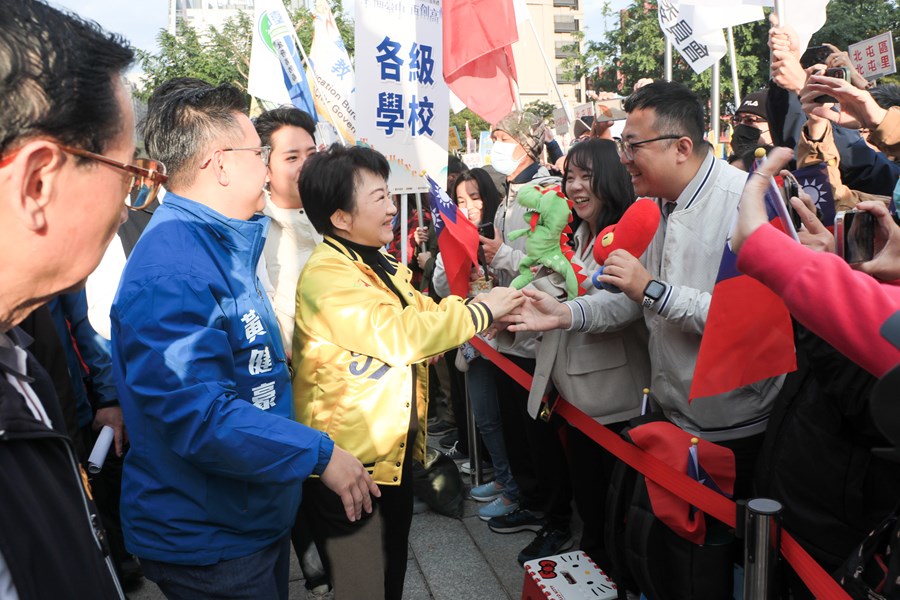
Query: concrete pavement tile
{"x": 415, "y": 587}
{"x": 451, "y": 562}
{"x": 499, "y": 550}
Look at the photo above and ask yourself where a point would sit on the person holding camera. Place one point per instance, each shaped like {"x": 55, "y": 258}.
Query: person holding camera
{"x": 843, "y": 305}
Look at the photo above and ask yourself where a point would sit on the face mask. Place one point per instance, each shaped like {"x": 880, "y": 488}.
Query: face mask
{"x": 744, "y": 139}
{"x": 502, "y": 157}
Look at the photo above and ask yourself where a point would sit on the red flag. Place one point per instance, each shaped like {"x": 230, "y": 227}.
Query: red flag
{"x": 748, "y": 335}
{"x": 478, "y": 59}
{"x": 714, "y": 469}
{"x": 457, "y": 239}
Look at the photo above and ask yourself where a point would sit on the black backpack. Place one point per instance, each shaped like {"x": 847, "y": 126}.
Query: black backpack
{"x": 647, "y": 556}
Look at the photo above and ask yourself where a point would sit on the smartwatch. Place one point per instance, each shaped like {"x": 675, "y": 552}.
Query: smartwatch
{"x": 653, "y": 292}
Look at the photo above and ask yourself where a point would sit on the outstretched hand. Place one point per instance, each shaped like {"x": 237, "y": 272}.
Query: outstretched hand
{"x": 346, "y": 477}
{"x": 752, "y": 210}
{"x": 539, "y": 312}
{"x": 501, "y": 300}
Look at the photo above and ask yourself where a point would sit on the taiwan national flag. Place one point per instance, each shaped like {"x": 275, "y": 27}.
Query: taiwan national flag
{"x": 748, "y": 335}
{"x": 457, "y": 239}
{"x": 814, "y": 181}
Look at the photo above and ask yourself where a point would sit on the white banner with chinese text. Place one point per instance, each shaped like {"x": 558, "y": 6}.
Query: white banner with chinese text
{"x": 402, "y": 101}
{"x": 700, "y": 49}
{"x": 333, "y": 80}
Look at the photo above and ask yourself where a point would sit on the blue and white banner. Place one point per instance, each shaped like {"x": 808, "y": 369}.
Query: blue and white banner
{"x": 276, "y": 71}
{"x": 402, "y": 101}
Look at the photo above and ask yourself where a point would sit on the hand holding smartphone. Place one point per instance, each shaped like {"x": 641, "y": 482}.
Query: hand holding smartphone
{"x": 837, "y": 73}
{"x": 854, "y": 236}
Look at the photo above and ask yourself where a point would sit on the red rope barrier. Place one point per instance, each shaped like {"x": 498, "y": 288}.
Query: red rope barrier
{"x": 819, "y": 582}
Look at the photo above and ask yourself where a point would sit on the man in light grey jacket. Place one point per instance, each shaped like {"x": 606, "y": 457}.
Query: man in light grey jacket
{"x": 671, "y": 285}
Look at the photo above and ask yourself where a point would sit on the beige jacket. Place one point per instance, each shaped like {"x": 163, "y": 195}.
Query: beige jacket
{"x": 602, "y": 374}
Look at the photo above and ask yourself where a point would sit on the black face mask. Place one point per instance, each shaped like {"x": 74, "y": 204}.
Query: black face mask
{"x": 744, "y": 139}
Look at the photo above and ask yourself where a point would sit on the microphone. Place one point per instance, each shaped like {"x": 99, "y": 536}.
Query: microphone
{"x": 633, "y": 233}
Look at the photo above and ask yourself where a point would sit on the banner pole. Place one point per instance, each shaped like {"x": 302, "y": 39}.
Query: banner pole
{"x": 668, "y": 60}
{"x": 421, "y": 218}
{"x": 715, "y": 100}
{"x": 404, "y": 228}
{"x": 732, "y": 56}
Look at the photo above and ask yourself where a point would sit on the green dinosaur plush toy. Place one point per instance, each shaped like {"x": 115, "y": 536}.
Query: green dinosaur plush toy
{"x": 548, "y": 215}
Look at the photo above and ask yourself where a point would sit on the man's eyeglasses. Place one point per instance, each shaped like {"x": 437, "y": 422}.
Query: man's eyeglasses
{"x": 264, "y": 152}
{"x": 626, "y": 149}
{"x": 146, "y": 175}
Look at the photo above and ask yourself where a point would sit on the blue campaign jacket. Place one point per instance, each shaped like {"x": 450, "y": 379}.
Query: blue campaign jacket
{"x": 216, "y": 459}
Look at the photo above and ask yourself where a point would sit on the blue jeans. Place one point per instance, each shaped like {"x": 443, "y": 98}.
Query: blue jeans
{"x": 262, "y": 575}
{"x": 482, "y": 388}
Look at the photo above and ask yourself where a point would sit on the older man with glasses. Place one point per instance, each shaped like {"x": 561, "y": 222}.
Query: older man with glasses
{"x": 66, "y": 139}
{"x": 212, "y": 482}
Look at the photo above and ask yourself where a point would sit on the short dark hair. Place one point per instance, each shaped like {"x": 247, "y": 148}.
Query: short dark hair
{"x": 678, "y": 110}
{"x": 328, "y": 181}
{"x": 490, "y": 196}
{"x": 455, "y": 165}
{"x": 284, "y": 116}
{"x": 57, "y": 77}
{"x": 609, "y": 180}
{"x": 183, "y": 119}
{"x": 886, "y": 95}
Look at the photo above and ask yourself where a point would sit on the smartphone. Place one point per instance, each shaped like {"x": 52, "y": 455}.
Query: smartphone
{"x": 789, "y": 189}
{"x": 487, "y": 230}
{"x": 815, "y": 55}
{"x": 854, "y": 236}
{"x": 837, "y": 73}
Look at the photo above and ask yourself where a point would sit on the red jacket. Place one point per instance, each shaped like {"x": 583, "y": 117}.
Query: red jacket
{"x": 843, "y": 306}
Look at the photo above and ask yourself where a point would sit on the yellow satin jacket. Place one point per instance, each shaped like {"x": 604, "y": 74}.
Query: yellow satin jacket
{"x": 359, "y": 354}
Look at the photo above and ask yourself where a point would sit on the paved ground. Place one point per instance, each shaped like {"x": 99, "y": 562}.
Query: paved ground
{"x": 449, "y": 559}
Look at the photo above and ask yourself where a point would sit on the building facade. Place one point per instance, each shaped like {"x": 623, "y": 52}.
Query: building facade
{"x": 203, "y": 14}
{"x": 555, "y": 22}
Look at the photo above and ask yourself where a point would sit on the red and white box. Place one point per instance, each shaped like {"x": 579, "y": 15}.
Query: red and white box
{"x": 569, "y": 576}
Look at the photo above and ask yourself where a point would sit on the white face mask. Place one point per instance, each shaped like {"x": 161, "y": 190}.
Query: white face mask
{"x": 502, "y": 157}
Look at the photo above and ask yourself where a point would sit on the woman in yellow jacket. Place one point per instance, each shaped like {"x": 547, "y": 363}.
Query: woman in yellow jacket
{"x": 361, "y": 343}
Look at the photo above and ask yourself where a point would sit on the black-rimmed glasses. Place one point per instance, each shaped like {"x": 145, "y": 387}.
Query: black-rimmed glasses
{"x": 626, "y": 149}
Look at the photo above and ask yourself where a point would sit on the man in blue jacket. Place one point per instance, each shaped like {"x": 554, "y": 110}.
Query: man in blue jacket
{"x": 211, "y": 484}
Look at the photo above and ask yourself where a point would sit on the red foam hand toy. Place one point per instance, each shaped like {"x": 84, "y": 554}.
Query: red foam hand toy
{"x": 633, "y": 233}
